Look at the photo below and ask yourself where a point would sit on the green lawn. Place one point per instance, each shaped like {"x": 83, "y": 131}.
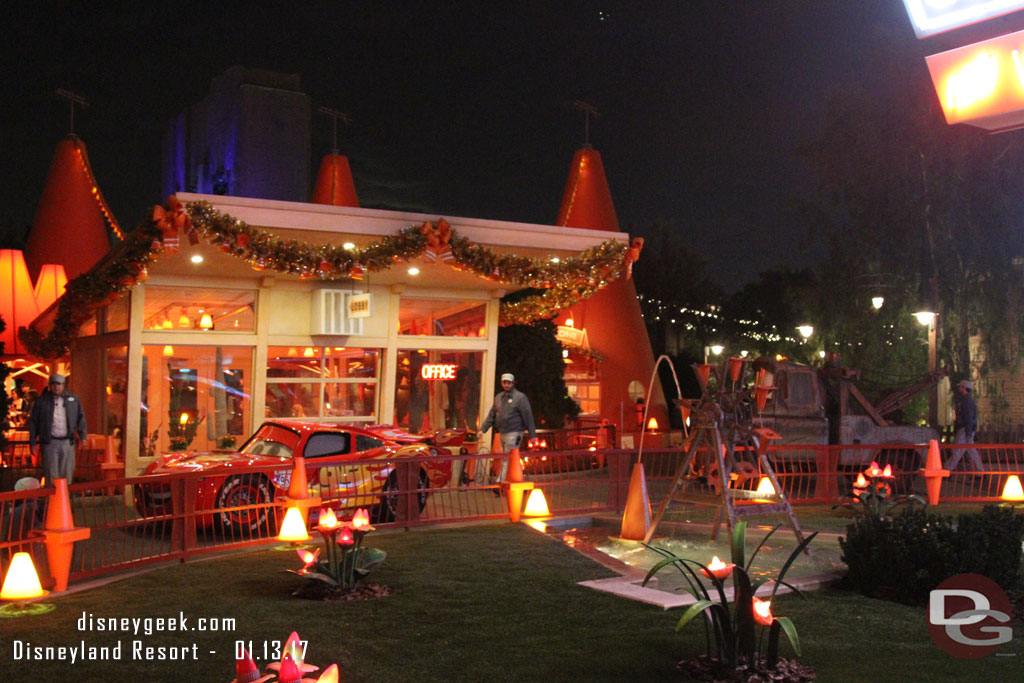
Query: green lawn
{"x": 480, "y": 603}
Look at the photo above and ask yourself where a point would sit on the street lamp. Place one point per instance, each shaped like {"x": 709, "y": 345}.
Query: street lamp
{"x": 877, "y": 301}
{"x": 805, "y": 331}
{"x": 717, "y": 349}
{"x": 928, "y": 318}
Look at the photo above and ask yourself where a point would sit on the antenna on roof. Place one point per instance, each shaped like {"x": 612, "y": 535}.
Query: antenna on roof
{"x": 335, "y": 115}
{"x": 73, "y": 98}
{"x": 588, "y": 110}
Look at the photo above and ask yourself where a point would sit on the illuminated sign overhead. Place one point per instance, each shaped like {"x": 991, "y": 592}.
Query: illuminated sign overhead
{"x": 930, "y": 17}
{"x": 982, "y": 84}
{"x": 438, "y": 371}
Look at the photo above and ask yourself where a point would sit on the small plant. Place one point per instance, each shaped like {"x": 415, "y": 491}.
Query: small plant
{"x": 872, "y": 496}
{"x": 730, "y": 633}
{"x": 347, "y": 561}
{"x": 226, "y": 442}
{"x": 183, "y": 432}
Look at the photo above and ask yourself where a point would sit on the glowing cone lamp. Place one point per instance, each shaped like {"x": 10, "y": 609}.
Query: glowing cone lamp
{"x": 293, "y": 529}
{"x": 652, "y": 424}
{"x": 1012, "y": 491}
{"x": 718, "y": 569}
{"x": 763, "y": 612}
{"x": 537, "y": 505}
{"x": 245, "y": 669}
{"x": 21, "y": 584}
{"x": 933, "y": 472}
{"x": 765, "y": 488}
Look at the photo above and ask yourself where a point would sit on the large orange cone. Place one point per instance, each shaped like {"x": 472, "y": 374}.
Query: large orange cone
{"x": 299, "y": 486}
{"x": 334, "y": 183}
{"x": 60, "y": 534}
{"x": 58, "y": 511}
{"x": 515, "y": 487}
{"x": 636, "y": 520}
{"x": 298, "y": 490}
{"x": 933, "y": 472}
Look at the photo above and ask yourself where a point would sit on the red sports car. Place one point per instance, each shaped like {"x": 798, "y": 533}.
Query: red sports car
{"x": 242, "y": 498}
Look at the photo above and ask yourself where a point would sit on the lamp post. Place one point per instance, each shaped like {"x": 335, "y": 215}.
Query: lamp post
{"x": 929, "y": 318}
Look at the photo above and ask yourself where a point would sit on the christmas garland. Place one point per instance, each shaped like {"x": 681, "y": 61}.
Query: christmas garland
{"x": 560, "y": 285}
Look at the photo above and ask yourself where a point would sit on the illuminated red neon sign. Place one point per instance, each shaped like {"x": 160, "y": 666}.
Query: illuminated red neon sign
{"x": 434, "y": 371}
{"x": 982, "y": 84}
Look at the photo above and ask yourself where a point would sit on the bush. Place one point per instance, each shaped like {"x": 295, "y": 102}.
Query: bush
{"x": 905, "y": 557}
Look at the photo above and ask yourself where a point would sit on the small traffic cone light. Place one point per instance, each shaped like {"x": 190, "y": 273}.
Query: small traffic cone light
{"x": 61, "y": 533}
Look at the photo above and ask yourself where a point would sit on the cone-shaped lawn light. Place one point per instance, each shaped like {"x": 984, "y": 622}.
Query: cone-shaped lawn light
{"x": 765, "y": 487}
{"x": 293, "y": 530}
{"x": 720, "y": 570}
{"x": 293, "y": 651}
{"x": 1012, "y": 491}
{"x": 536, "y": 505}
{"x": 20, "y": 585}
{"x": 763, "y": 612}
{"x": 330, "y": 675}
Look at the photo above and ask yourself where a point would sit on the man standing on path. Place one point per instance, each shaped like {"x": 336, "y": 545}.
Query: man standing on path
{"x": 966, "y": 424}
{"x": 510, "y": 416}
{"x": 58, "y": 422}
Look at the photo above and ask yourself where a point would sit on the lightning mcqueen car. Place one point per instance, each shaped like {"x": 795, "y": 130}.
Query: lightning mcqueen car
{"x": 240, "y": 498}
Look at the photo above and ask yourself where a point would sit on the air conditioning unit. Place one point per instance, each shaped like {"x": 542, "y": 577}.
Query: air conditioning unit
{"x": 331, "y": 313}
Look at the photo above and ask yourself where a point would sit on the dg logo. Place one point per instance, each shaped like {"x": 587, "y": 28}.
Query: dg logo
{"x": 969, "y": 616}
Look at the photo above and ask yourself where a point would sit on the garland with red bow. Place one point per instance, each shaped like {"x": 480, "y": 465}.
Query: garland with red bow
{"x": 558, "y": 285}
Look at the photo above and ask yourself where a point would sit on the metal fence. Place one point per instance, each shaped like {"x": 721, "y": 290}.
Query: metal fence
{"x": 145, "y": 520}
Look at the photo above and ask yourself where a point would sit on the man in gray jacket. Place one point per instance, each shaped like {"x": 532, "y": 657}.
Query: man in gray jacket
{"x": 58, "y": 422}
{"x": 510, "y": 416}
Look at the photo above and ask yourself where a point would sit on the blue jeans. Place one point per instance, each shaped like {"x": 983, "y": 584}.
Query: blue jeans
{"x": 965, "y": 436}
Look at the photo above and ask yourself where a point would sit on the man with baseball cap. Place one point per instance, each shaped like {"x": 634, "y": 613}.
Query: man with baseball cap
{"x": 510, "y": 416}
{"x": 965, "y": 424}
{"x": 58, "y": 422}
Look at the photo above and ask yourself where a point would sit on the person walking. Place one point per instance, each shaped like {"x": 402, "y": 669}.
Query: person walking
{"x": 965, "y": 424}
{"x": 57, "y": 421}
{"x": 510, "y": 416}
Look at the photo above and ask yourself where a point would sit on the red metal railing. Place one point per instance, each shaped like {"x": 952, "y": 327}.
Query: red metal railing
{"x": 126, "y": 535}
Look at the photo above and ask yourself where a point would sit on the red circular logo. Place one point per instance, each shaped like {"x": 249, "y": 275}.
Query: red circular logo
{"x": 969, "y": 616}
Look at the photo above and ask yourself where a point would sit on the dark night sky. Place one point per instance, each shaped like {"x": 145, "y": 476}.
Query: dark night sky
{"x": 463, "y": 108}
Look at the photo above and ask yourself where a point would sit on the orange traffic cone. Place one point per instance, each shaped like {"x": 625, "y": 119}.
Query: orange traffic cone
{"x": 298, "y": 490}
{"x": 60, "y": 534}
{"x": 514, "y": 485}
{"x": 933, "y": 472}
{"x": 636, "y": 519}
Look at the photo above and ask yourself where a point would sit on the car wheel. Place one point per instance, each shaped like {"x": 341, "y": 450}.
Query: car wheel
{"x": 242, "y": 491}
{"x": 388, "y": 506}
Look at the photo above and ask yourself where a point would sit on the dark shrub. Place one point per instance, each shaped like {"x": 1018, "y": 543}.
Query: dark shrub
{"x": 905, "y": 557}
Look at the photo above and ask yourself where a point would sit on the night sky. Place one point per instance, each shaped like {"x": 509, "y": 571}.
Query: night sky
{"x": 465, "y": 108}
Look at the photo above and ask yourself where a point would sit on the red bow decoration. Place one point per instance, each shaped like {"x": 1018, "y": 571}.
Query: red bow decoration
{"x": 437, "y": 241}
{"x": 171, "y": 219}
{"x": 633, "y": 255}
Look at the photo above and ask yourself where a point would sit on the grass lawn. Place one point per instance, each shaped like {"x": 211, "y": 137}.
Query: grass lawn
{"x": 480, "y": 603}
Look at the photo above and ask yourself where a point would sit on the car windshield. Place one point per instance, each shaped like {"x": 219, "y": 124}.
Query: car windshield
{"x": 271, "y": 439}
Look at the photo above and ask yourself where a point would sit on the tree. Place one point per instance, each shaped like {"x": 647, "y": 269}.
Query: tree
{"x": 926, "y": 213}
{"x": 534, "y": 356}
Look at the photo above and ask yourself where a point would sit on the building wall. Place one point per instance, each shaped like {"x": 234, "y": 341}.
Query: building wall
{"x": 249, "y": 137}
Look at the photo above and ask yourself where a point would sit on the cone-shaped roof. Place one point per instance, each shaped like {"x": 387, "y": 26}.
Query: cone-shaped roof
{"x": 587, "y": 202}
{"x": 334, "y": 184}
{"x": 71, "y": 221}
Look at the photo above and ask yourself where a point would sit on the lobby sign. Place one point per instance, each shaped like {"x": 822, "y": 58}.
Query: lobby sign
{"x": 931, "y": 17}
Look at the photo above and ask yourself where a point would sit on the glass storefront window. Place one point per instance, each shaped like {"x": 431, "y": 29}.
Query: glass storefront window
{"x": 88, "y": 328}
{"x": 200, "y": 309}
{"x": 115, "y": 411}
{"x": 320, "y": 383}
{"x": 438, "y": 389}
{"x": 442, "y": 317}
{"x": 195, "y": 397}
